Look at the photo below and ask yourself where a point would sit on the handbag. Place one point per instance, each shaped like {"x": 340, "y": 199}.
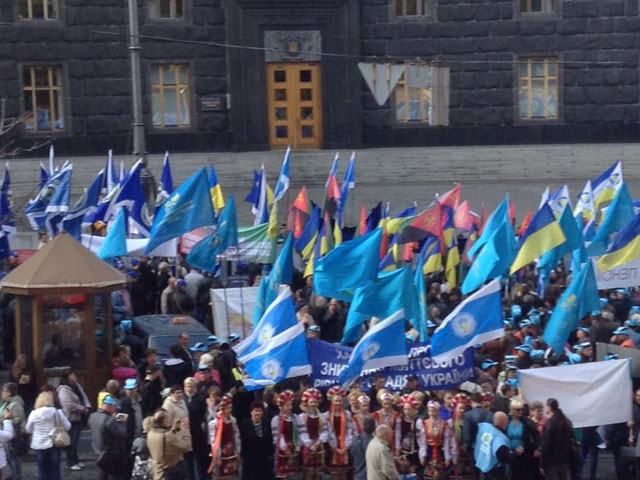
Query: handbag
{"x": 59, "y": 436}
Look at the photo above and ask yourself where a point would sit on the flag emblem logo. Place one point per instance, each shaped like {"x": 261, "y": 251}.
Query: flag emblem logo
{"x": 271, "y": 369}
{"x": 265, "y": 334}
{"x": 570, "y": 302}
{"x": 370, "y": 351}
{"x": 464, "y": 325}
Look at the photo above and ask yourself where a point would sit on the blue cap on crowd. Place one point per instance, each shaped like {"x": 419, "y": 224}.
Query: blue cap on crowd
{"x": 512, "y": 382}
{"x": 622, "y": 291}
{"x": 633, "y": 321}
{"x": 634, "y": 309}
{"x": 509, "y": 358}
{"x": 525, "y": 323}
{"x": 537, "y": 355}
{"x": 203, "y": 366}
{"x": 212, "y": 340}
{"x": 596, "y": 313}
{"x": 524, "y": 348}
{"x": 622, "y": 331}
{"x": 431, "y": 324}
{"x": 510, "y": 366}
{"x": 516, "y": 311}
{"x": 198, "y": 347}
{"x": 604, "y": 302}
{"x": 611, "y": 356}
{"x": 134, "y": 262}
{"x": 574, "y": 358}
{"x": 110, "y": 400}
{"x": 130, "y": 383}
{"x": 233, "y": 337}
{"x": 586, "y": 330}
{"x": 181, "y": 283}
{"x": 409, "y": 338}
{"x": 314, "y": 328}
{"x": 487, "y": 364}
{"x": 126, "y": 325}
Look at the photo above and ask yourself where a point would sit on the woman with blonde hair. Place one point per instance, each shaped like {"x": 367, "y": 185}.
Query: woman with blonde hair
{"x": 524, "y": 440}
{"x": 41, "y": 422}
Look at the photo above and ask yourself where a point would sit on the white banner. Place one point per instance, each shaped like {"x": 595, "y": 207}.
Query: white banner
{"x": 628, "y": 275}
{"x": 135, "y": 246}
{"x": 232, "y": 310}
{"x": 590, "y": 394}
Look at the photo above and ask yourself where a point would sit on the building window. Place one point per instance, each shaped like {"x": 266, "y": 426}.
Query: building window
{"x": 538, "y": 88}
{"x": 404, "y": 8}
{"x": 43, "y": 98}
{"x": 413, "y": 104}
{"x": 170, "y": 9}
{"x": 538, "y": 6}
{"x": 170, "y": 96}
{"x": 38, "y": 9}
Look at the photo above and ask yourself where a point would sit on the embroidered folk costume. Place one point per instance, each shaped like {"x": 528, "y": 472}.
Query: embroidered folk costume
{"x": 225, "y": 442}
{"x": 435, "y": 442}
{"x": 406, "y": 439}
{"x": 313, "y": 433}
{"x": 340, "y": 429}
{"x": 285, "y": 436}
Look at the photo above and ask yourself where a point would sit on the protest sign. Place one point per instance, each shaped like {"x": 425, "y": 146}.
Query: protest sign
{"x": 624, "y": 276}
{"x": 328, "y": 360}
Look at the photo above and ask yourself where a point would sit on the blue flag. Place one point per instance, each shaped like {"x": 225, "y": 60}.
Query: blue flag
{"x": 278, "y": 317}
{"x": 166, "y": 179}
{"x": 281, "y": 273}
{"x": 284, "y": 356}
{"x": 204, "y": 254}
{"x": 284, "y": 178}
{"x": 129, "y": 194}
{"x": 574, "y": 241}
{"x": 44, "y": 176}
{"x": 421, "y": 290}
{"x": 493, "y": 223}
{"x": 111, "y": 178}
{"x": 348, "y": 266}
{"x": 390, "y": 292}
{"x": 73, "y": 221}
{"x": 494, "y": 258}
{"x": 58, "y": 190}
{"x": 578, "y": 300}
{"x": 384, "y": 345}
{"x": 310, "y": 232}
{"x": 619, "y": 213}
{"x": 188, "y": 208}
{"x": 478, "y": 319}
{"x": 348, "y": 183}
{"x": 115, "y": 243}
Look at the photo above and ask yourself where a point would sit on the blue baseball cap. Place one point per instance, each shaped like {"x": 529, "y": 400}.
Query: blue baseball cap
{"x": 537, "y": 355}
{"x": 314, "y": 328}
{"x": 524, "y": 348}
{"x": 198, "y": 347}
{"x": 431, "y": 324}
{"x": 574, "y": 358}
{"x": 213, "y": 340}
{"x": 516, "y": 311}
{"x": 622, "y": 331}
{"x": 586, "y": 330}
{"x": 487, "y": 364}
{"x": 611, "y": 356}
{"x": 130, "y": 383}
{"x": 126, "y": 325}
{"x": 110, "y": 400}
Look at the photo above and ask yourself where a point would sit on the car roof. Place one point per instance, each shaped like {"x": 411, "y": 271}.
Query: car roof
{"x": 169, "y": 325}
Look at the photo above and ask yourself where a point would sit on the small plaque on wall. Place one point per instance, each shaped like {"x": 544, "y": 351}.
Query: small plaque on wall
{"x": 292, "y": 45}
{"x": 213, "y": 103}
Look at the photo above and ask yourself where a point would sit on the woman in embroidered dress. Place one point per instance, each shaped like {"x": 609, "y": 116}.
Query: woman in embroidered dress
{"x": 285, "y": 436}
{"x": 406, "y": 446}
{"x": 461, "y": 461}
{"x": 340, "y": 427}
{"x": 435, "y": 441}
{"x": 225, "y": 442}
{"x": 313, "y": 435}
{"x": 364, "y": 403}
{"x": 386, "y": 415}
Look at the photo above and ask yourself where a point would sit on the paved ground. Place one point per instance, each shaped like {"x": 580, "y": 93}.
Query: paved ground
{"x": 399, "y": 175}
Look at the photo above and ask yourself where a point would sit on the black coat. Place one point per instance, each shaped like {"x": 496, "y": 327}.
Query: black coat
{"x": 557, "y": 441}
{"x": 471, "y": 420}
{"x": 197, "y": 406}
{"x": 257, "y": 452}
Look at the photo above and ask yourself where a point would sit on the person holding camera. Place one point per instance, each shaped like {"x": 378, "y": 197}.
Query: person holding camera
{"x": 108, "y": 439}
{"x": 167, "y": 442}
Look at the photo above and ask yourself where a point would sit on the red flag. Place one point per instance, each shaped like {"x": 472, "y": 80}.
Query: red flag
{"x": 299, "y": 213}
{"x": 463, "y": 218}
{"x": 407, "y": 252}
{"x": 362, "y": 226}
{"x": 426, "y": 223}
{"x": 512, "y": 212}
{"x": 525, "y": 223}
{"x": 452, "y": 197}
{"x": 302, "y": 202}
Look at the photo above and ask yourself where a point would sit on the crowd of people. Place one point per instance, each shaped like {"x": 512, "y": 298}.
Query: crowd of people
{"x": 190, "y": 417}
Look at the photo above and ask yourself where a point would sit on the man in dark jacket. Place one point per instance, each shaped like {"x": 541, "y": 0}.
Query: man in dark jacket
{"x": 471, "y": 419}
{"x": 176, "y": 370}
{"x": 257, "y": 445}
{"x": 358, "y": 449}
{"x": 108, "y": 437}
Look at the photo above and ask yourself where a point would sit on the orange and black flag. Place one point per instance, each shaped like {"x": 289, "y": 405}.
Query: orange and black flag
{"x": 299, "y": 213}
{"x": 426, "y": 223}
{"x": 362, "y": 224}
{"x": 451, "y": 198}
{"x": 332, "y": 198}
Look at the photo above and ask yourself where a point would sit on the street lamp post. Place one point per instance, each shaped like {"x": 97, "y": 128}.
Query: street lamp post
{"x": 136, "y": 80}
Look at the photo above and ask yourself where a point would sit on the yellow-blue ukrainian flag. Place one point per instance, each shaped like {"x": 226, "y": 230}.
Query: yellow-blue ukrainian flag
{"x": 543, "y": 234}
{"x": 432, "y": 256}
{"x": 215, "y": 190}
{"x": 605, "y": 187}
{"x": 624, "y": 248}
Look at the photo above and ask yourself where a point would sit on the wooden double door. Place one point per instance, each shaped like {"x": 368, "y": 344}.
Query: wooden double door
{"x": 294, "y": 105}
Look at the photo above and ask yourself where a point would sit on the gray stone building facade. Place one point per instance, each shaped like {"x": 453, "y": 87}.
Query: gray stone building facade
{"x": 259, "y": 74}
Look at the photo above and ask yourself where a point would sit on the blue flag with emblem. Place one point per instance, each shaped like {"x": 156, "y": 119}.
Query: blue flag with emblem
{"x": 493, "y": 223}
{"x": 73, "y": 221}
{"x": 578, "y": 300}
{"x": 166, "y": 179}
{"x": 478, "y": 319}
{"x": 281, "y": 273}
{"x": 115, "y": 243}
{"x": 421, "y": 290}
{"x": 186, "y": 209}
{"x": 204, "y": 254}
{"x": 284, "y": 356}
{"x": 278, "y": 317}
{"x": 348, "y": 266}
{"x": 284, "y": 178}
{"x": 129, "y": 194}
{"x": 58, "y": 189}
{"x": 384, "y": 345}
{"x": 44, "y": 176}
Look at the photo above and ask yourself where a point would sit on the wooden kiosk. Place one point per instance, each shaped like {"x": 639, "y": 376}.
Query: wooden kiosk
{"x": 63, "y": 311}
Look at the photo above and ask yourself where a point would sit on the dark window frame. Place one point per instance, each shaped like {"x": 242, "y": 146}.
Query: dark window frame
{"x": 395, "y": 18}
{"x": 518, "y": 58}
